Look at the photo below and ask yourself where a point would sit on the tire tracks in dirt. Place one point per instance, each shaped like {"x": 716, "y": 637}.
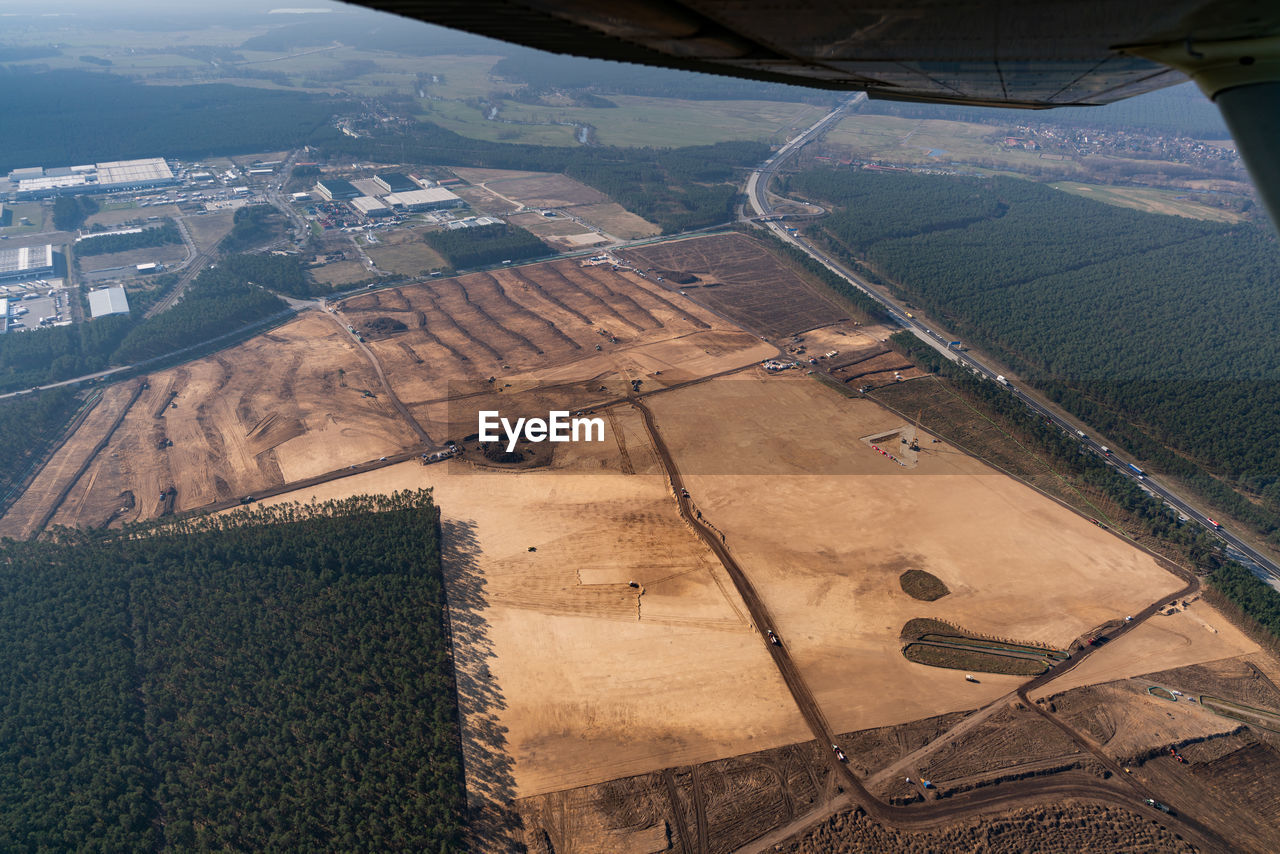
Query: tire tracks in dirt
{"x": 1124, "y": 792}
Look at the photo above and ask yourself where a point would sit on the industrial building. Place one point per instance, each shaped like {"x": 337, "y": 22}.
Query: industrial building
{"x": 335, "y": 189}
{"x": 36, "y": 182}
{"x": 29, "y": 262}
{"x": 105, "y": 301}
{"x": 369, "y": 206}
{"x": 4, "y": 315}
{"x": 423, "y": 200}
{"x": 394, "y": 182}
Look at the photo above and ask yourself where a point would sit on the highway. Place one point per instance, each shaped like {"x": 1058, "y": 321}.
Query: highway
{"x": 1235, "y": 547}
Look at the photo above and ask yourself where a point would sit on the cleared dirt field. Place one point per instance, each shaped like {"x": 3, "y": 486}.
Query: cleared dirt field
{"x": 740, "y": 279}
{"x": 1194, "y": 635}
{"x": 27, "y": 512}
{"x": 168, "y": 254}
{"x": 824, "y": 525}
{"x": 502, "y": 190}
{"x": 1129, "y": 722}
{"x": 557, "y": 329}
{"x": 576, "y": 676}
{"x": 283, "y": 406}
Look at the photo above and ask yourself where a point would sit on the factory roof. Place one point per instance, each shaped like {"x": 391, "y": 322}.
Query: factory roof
{"x": 365, "y": 204}
{"x": 26, "y": 258}
{"x": 106, "y": 301}
{"x": 134, "y": 171}
{"x": 413, "y": 198}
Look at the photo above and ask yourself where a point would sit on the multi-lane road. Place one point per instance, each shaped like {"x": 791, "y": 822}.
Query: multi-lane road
{"x": 757, "y": 195}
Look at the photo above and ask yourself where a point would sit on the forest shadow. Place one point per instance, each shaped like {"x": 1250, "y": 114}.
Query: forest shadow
{"x": 493, "y": 823}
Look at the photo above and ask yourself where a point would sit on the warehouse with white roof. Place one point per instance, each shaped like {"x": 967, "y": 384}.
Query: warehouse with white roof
{"x": 436, "y": 198}
{"x": 29, "y": 262}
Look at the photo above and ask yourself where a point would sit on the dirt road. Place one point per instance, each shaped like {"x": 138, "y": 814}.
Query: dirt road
{"x": 1122, "y": 791}
{"x": 429, "y": 445}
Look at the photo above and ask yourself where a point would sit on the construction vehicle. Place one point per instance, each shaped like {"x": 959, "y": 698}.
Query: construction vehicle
{"x": 969, "y": 678}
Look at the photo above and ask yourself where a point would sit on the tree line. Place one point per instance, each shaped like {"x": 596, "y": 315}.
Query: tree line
{"x": 275, "y": 680}
{"x": 1155, "y": 329}
{"x": 105, "y": 244}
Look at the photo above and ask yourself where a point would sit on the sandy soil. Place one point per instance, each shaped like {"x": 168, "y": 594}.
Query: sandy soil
{"x": 538, "y": 329}
{"x": 272, "y": 410}
{"x": 1128, "y": 721}
{"x": 1200, "y": 633}
{"x": 824, "y": 525}
{"x": 27, "y": 511}
{"x": 593, "y": 680}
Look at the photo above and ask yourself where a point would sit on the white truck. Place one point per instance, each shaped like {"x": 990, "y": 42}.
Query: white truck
{"x": 1000, "y": 379}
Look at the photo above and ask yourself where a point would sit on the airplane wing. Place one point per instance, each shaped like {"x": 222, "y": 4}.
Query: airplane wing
{"x": 1008, "y": 53}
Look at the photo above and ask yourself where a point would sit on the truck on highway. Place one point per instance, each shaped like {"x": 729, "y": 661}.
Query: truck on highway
{"x": 1000, "y": 379}
{"x": 1139, "y": 472}
{"x": 1215, "y": 525}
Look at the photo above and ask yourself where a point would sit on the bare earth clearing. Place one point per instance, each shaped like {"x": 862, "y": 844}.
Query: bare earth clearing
{"x": 599, "y": 643}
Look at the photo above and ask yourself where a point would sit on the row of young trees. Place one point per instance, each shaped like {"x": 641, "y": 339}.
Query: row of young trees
{"x": 1157, "y": 330}
{"x": 279, "y": 680}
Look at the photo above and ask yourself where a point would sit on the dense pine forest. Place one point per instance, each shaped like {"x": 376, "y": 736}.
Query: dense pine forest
{"x": 486, "y": 244}
{"x": 1158, "y": 330}
{"x": 134, "y": 120}
{"x": 274, "y": 680}
{"x": 107, "y": 243}
{"x": 30, "y": 424}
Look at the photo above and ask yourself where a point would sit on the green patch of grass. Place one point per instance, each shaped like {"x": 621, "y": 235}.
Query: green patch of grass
{"x": 972, "y": 660}
{"x": 922, "y": 585}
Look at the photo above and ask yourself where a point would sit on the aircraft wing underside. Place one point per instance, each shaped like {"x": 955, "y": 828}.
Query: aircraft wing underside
{"x": 991, "y": 52}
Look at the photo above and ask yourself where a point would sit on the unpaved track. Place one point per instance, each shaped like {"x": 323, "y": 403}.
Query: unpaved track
{"x": 88, "y": 461}
{"x": 1122, "y": 791}
{"x": 386, "y": 386}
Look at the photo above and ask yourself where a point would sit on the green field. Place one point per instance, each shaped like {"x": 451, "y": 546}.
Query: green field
{"x": 673, "y": 123}
{"x": 902, "y": 140}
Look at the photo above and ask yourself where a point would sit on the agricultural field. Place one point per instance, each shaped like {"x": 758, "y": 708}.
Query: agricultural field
{"x": 403, "y": 251}
{"x": 1152, "y": 200}
{"x": 735, "y": 276}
